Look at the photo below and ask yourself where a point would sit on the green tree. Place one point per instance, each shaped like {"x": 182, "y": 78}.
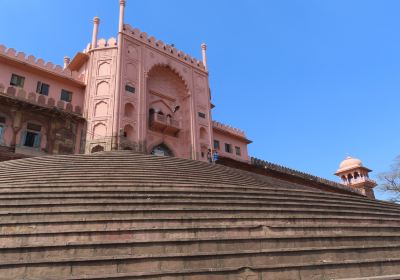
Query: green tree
{"x": 390, "y": 181}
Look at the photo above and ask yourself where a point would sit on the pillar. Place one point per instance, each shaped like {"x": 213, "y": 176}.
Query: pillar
{"x": 96, "y": 23}
{"x": 204, "y": 54}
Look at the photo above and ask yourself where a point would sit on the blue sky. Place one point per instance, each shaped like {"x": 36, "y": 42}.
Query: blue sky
{"x": 310, "y": 81}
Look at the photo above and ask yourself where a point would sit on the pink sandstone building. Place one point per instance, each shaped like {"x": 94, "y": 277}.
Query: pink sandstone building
{"x": 132, "y": 92}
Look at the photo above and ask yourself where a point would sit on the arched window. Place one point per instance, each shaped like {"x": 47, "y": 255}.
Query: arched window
{"x": 350, "y": 178}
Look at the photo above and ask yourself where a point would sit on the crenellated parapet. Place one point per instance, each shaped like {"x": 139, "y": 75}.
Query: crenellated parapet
{"x": 229, "y": 129}
{"x": 102, "y": 44}
{"x": 39, "y": 63}
{"x": 295, "y": 173}
{"x": 163, "y": 47}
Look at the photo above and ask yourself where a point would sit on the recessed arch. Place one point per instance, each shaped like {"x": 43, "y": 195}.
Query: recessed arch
{"x": 100, "y": 109}
{"x": 129, "y": 110}
{"x": 203, "y": 133}
{"x": 104, "y": 69}
{"x": 167, "y": 66}
{"x": 129, "y": 132}
{"x": 103, "y": 88}
{"x": 99, "y": 131}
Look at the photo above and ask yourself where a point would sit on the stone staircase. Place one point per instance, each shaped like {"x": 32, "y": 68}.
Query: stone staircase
{"x": 8, "y": 153}
{"x": 122, "y": 215}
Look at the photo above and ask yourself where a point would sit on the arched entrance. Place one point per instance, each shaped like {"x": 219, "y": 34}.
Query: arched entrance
{"x": 162, "y": 150}
{"x": 169, "y": 112}
{"x": 97, "y": 148}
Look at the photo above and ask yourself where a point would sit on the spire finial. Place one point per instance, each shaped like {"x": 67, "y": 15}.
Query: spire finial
{"x": 96, "y": 23}
{"x": 122, "y": 4}
{"x": 204, "y": 54}
{"x": 67, "y": 60}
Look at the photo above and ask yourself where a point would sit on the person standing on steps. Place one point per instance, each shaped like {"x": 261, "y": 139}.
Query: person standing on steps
{"x": 209, "y": 156}
{"x": 215, "y": 156}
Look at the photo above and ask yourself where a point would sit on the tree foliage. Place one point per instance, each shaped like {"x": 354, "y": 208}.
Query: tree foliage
{"x": 390, "y": 181}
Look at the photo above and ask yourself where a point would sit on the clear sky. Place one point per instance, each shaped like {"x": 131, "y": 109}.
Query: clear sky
{"x": 310, "y": 81}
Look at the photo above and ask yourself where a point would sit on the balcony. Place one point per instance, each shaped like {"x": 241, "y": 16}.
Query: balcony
{"x": 358, "y": 181}
{"x": 164, "y": 124}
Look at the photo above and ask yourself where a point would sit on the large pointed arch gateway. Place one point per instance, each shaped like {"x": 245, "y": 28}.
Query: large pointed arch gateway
{"x": 169, "y": 113}
{"x": 162, "y": 150}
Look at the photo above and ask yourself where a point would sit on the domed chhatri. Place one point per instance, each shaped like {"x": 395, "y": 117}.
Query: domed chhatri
{"x": 354, "y": 174}
{"x": 350, "y": 162}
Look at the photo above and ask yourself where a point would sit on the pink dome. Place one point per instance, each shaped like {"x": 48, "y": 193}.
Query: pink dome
{"x": 350, "y": 162}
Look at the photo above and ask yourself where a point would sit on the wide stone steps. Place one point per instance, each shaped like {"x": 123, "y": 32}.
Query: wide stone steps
{"x": 389, "y": 277}
{"x": 123, "y": 215}
{"x": 186, "y": 204}
{"x": 11, "y": 239}
{"x": 232, "y": 228}
{"x": 133, "y": 263}
{"x": 37, "y": 200}
{"x": 184, "y": 221}
{"x": 298, "y": 270}
{"x": 16, "y": 198}
{"x": 111, "y": 244}
{"x": 192, "y": 212}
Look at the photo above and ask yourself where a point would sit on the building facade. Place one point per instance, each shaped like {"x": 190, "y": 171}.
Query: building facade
{"x": 131, "y": 92}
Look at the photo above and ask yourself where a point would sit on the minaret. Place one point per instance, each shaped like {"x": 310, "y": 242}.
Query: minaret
{"x": 115, "y": 129}
{"x": 204, "y": 54}
{"x": 96, "y": 23}
{"x": 353, "y": 174}
{"x": 122, "y": 4}
{"x": 67, "y": 60}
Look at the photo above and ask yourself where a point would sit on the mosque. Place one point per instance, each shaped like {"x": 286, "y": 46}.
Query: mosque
{"x": 105, "y": 174}
{"x": 130, "y": 93}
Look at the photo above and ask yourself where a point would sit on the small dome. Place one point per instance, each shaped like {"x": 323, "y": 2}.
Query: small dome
{"x": 350, "y": 162}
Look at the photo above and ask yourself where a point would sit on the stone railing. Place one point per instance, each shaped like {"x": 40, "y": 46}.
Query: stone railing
{"x": 39, "y": 99}
{"x": 285, "y": 170}
{"x": 229, "y": 129}
{"x": 160, "y": 45}
{"x": 39, "y": 63}
{"x": 358, "y": 180}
